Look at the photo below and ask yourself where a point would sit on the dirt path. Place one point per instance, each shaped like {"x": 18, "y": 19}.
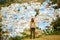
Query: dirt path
{"x": 49, "y": 37}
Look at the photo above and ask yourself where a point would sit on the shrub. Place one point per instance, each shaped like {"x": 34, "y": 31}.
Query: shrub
{"x": 15, "y": 38}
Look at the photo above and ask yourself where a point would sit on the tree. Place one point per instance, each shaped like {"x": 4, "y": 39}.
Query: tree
{"x": 0, "y": 26}
{"x": 56, "y": 1}
{"x": 2, "y": 1}
{"x": 56, "y": 23}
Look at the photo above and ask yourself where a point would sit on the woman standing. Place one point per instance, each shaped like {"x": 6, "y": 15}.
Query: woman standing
{"x": 32, "y": 28}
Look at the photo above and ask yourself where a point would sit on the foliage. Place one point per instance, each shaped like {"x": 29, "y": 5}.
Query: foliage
{"x": 37, "y": 12}
{"x": 15, "y": 38}
{"x": 48, "y": 31}
{"x": 56, "y": 1}
{"x": 56, "y": 32}
{"x": 56, "y": 23}
{"x": 2, "y": 1}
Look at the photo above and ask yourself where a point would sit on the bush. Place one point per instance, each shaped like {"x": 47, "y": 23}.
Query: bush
{"x": 56, "y": 23}
{"x": 48, "y": 31}
{"x": 15, "y": 38}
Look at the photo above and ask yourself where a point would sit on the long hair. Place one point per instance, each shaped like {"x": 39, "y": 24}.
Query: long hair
{"x": 32, "y": 19}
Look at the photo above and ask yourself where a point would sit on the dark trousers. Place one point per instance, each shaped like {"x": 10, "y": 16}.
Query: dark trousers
{"x": 32, "y": 33}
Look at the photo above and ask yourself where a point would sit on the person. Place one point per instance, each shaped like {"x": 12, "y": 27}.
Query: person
{"x": 32, "y": 28}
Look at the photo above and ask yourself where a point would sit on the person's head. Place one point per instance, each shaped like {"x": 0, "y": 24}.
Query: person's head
{"x": 32, "y": 19}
